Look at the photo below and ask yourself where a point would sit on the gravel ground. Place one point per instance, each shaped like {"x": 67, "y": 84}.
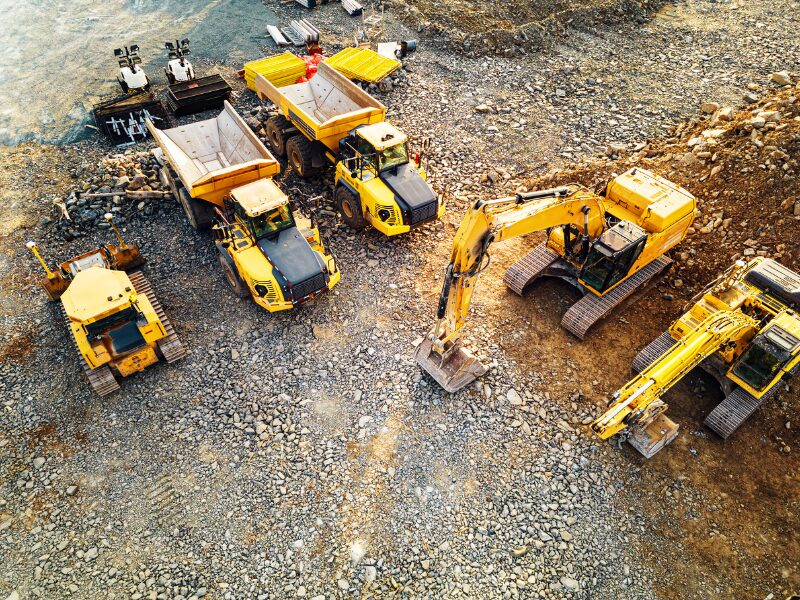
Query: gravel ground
{"x": 303, "y": 454}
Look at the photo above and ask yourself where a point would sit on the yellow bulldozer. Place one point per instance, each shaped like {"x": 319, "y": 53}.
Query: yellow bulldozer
{"x": 607, "y": 243}
{"x": 111, "y": 311}
{"x": 743, "y": 329}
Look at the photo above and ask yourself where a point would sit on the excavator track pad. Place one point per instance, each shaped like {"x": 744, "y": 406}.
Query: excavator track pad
{"x": 736, "y": 408}
{"x": 101, "y": 378}
{"x": 653, "y": 351}
{"x": 529, "y": 268}
{"x": 590, "y": 309}
{"x": 454, "y": 370}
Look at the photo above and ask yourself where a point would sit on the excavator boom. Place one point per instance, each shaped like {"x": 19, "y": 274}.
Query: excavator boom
{"x": 637, "y": 404}
{"x": 441, "y": 353}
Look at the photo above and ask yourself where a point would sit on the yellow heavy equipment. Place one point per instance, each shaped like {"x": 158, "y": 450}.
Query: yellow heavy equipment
{"x": 378, "y": 181}
{"x": 221, "y": 174}
{"x": 114, "y": 318}
{"x": 606, "y": 243}
{"x": 743, "y": 329}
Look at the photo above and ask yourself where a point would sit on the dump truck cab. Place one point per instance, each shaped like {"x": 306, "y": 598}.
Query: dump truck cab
{"x": 268, "y": 251}
{"x": 375, "y": 168}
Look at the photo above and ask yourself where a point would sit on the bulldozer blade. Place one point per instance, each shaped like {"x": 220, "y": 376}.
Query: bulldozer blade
{"x": 456, "y": 370}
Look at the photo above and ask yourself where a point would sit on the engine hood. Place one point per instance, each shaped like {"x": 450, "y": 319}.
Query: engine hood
{"x": 408, "y": 185}
{"x": 290, "y": 253}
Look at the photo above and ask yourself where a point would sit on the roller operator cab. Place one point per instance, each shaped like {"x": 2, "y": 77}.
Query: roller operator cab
{"x": 268, "y": 251}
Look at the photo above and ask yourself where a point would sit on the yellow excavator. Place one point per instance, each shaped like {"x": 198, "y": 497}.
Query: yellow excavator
{"x": 116, "y": 323}
{"x": 743, "y": 329}
{"x": 607, "y": 243}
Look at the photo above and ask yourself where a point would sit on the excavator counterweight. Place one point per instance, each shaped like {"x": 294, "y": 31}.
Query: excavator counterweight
{"x": 608, "y": 245}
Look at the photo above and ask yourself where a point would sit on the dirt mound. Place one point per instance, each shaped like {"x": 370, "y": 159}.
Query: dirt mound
{"x": 744, "y": 168}
{"x": 509, "y": 27}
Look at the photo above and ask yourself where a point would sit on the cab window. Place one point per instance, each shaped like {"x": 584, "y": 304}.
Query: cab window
{"x": 596, "y": 268}
{"x": 271, "y": 222}
{"x": 604, "y": 269}
{"x": 394, "y": 157}
{"x": 759, "y": 365}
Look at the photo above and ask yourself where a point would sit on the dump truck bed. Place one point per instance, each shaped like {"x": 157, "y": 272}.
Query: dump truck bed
{"x": 214, "y": 156}
{"x": 326, "y": 107}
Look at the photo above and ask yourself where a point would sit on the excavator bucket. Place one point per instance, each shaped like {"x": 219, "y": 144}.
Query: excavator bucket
{"x": 649, "y": 440}
{"x": 454, "y": 370}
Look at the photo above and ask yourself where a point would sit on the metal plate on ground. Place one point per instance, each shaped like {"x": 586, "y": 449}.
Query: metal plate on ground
{"x": 122, "y": 119}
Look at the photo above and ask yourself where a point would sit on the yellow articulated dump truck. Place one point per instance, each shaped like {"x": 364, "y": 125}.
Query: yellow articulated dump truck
{"x": 744, "y": 330}
{"x": 378, "y": 181}
{"x": 221, "y": 174}
{"x": 114, "y": 318}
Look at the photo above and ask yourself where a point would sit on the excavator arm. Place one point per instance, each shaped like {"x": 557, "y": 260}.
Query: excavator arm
{"x": 638, "y": 403}
{"x": 572, "y": 207}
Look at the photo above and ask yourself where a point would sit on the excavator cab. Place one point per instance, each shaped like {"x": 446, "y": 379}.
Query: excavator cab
{"x": 612, "y": 255}
{"x": 770, "y": 352}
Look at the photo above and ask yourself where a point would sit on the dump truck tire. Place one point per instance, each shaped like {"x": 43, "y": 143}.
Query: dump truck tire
{"x": 301, "y": 155}
{"x": 235, "y": 281}
{"x": 275, "y": 134}
{"x": 199, "y": 212}
{"x": 349, "y": 207}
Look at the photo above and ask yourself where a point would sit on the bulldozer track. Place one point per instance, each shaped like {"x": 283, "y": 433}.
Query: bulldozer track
{"x": 529, "y": 268}
{"x": 736, "y": 408}
{"x": 101, "y": 378}
{"x": 165, "y": 500}
{"x": 652, "y": 352}
{"x": 590, "y": 309}
{"x": 170, "y": 346}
